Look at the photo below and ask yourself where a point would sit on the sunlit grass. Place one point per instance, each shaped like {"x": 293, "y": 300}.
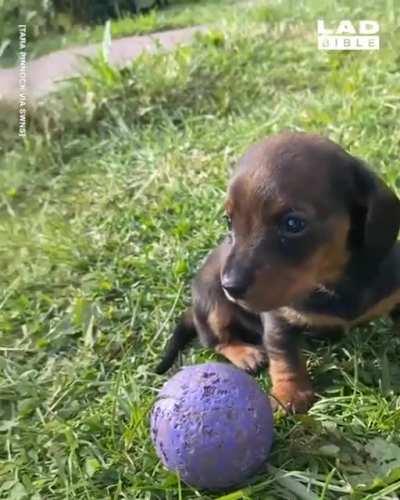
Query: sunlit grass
{"x": 108, "y": 209}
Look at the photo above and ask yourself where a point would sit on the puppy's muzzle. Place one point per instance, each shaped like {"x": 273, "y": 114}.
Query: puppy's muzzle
{"x": 234, "y": 288}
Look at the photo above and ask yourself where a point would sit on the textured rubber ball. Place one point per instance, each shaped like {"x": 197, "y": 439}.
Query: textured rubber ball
{"x": 213, "y": 425}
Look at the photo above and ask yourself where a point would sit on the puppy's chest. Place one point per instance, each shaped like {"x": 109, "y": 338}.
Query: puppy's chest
{"x": 324, "y": 308}
{"x": 356, "y": 306}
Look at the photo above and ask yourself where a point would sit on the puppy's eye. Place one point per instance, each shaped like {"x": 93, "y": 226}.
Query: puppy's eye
{"x": 292, "y": 224}
{"x": 228, "y": 221}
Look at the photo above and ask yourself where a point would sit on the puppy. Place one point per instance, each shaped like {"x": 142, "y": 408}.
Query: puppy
{"x": 311, "y": 246}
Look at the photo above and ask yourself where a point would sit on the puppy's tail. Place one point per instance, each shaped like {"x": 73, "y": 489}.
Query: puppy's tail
{"x": 184, "y": 332}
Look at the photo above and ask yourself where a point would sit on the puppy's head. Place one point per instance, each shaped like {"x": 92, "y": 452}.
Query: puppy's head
{"x": 300, "y": 209}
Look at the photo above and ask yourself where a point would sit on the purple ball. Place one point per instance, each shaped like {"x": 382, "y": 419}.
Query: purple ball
{"x": 213, "y": 425}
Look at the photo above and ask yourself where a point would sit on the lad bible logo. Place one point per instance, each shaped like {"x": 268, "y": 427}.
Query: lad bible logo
{"x": 361, "y": 35}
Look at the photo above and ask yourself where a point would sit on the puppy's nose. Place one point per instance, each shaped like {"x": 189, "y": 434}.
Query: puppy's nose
{"x": 235, "y": 289}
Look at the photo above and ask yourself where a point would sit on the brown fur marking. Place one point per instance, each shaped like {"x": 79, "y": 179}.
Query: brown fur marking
{"x": 291, "y": 388}
{"x": 246, "y": 356}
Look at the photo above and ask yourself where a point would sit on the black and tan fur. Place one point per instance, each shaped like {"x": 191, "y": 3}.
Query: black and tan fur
{"x": 264, "y": 285}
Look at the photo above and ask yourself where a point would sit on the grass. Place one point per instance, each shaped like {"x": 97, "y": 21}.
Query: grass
{"x": 108, "y": 208}
{"x": 178, "y": 14}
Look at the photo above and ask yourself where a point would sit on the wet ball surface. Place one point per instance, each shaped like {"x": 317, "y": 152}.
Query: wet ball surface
{"x": 213, "y": 425}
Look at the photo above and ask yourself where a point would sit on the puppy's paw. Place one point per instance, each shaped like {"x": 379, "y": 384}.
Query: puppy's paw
{"x": 292, "y": 397}
{"x": 248, "y": 357}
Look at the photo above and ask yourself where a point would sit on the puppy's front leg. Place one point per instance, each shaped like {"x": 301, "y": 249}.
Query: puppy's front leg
{"x": 219, "y": 326}
{"x": 291, "y": 386}
{"x": 222, "y": 324}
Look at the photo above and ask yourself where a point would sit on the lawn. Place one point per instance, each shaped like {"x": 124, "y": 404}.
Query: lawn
{"x": 178, "y": 14}
{"x": 107, "y": 210}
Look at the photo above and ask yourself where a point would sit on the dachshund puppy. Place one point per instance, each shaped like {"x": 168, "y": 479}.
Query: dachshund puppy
{"x": 311, "y": 246}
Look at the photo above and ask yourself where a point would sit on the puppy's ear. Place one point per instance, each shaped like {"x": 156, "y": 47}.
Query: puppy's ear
{"x": 375, "y": 214}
